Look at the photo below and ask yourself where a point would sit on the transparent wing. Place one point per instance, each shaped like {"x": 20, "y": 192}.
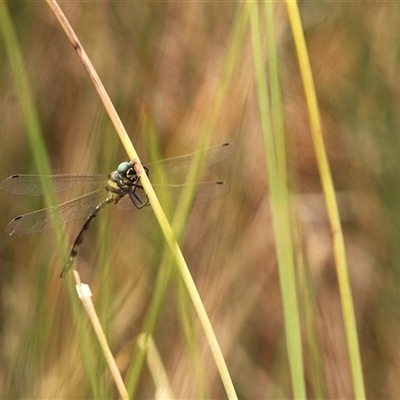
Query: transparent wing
{"x": 32, "y": 185}
{"x": 181, "y": 164}
{"x": 48, "y": 218}
{"x": 205, "y": 191}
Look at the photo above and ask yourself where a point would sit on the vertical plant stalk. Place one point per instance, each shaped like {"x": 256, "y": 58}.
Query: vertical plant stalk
{"x": 156, "y": 367}
{"x": 280, "y": 210}
{"x": 158, "y": 211}
{"x": 85, "y": 296}
{"x": 331, "y": 203}
{"x": 236, "y": 38}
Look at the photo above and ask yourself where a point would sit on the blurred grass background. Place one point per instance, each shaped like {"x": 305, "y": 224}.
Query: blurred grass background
{"x": 164, "y": 65}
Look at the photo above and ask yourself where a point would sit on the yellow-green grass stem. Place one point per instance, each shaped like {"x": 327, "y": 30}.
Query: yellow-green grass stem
{"x": 160, "y": 215}
{"x": 85, "y": 296}
{"x": 330, "y": 199}
{"x": 238, "y": 33}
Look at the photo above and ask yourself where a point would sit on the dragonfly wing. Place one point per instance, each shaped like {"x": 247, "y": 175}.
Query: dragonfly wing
{"x": 33, "y": 185}
{"x": 205, "y": 191}
{"x": 181, "y": 164}
{"x": 48, "y": 218}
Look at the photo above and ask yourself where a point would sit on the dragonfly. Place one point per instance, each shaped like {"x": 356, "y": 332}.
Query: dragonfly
{"x": 121, "y": 187}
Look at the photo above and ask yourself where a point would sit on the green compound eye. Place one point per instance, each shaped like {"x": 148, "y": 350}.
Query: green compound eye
{"x": 124, "y": 167}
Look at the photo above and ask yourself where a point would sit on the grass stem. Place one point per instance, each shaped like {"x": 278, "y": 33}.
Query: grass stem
{"x": 331, "y": 203}
{"x": 160, "y": 215}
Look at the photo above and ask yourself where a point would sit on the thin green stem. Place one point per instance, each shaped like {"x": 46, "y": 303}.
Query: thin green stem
{"x": 330, "y": 199}
{"x": 280, "y": 210}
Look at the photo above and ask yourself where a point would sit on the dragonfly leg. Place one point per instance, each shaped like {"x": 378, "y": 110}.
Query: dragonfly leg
{"x": 79, "y": 238}
{"x": 136, "y": 200}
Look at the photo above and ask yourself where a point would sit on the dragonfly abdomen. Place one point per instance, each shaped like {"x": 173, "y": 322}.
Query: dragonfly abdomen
{"x": 79, "y": 238}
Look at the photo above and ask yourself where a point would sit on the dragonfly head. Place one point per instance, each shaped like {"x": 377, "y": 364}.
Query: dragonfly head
{"x": 126, "y": 171}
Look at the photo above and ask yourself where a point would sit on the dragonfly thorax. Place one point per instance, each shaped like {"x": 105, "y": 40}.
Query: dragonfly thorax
{"x": 123, "y": 179}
